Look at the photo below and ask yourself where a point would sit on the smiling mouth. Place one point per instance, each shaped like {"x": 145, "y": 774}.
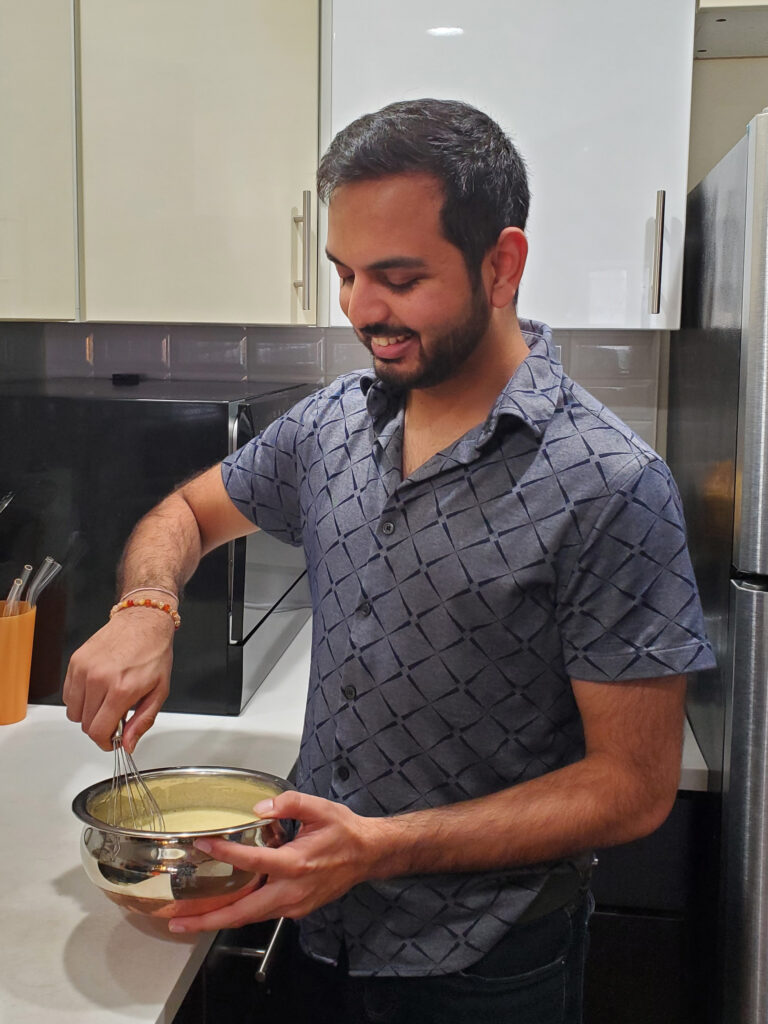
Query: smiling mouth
{"x": 389, "y": 346}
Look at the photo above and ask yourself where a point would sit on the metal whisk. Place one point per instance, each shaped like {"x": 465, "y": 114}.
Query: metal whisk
{"x": 131, "y": 803}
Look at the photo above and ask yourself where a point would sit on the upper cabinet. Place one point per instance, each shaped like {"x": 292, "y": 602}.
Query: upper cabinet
{"x": 199, "y": 138}
{"x": 596, "y": 95}
{"x": 159, "y": 156}
{"x": 38, "y": 266}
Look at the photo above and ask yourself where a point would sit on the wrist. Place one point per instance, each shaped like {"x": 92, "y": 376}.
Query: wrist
{"x": 147, "y": 604}
{"x": 390, "y": 847}
{"x": 152, "y": 592}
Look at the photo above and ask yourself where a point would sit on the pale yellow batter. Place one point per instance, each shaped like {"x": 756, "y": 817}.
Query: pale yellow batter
{"x": 199, "y": 819}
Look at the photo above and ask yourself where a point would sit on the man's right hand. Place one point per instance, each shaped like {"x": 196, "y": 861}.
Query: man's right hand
{"x": 126, "y": 663}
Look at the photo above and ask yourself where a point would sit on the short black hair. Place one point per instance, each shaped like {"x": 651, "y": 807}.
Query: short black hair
{"x": 483, "y": 176}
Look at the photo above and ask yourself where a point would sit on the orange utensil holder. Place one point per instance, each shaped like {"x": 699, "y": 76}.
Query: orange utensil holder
{"x": 17, "y": 633}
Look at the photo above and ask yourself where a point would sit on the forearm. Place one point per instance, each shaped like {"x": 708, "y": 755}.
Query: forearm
{"x": 577, "y": 808}
{"x": 163, "y": 549}
{"x": 586, "y": 805}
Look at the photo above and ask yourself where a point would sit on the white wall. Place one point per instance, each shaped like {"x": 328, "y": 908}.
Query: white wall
{"x": 727, "y": 93}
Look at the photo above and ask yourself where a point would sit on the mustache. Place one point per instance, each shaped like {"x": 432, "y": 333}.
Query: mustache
{"x": 380, "y": 330}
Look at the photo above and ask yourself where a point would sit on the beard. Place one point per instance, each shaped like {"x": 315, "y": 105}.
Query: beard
{"x": 449, "y": 351}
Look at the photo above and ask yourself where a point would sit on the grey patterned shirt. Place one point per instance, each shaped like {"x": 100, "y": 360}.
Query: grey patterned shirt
{"x": 451, "y": 610}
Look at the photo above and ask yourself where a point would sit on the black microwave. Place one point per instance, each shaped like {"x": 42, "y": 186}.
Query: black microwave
{"x": 85, "y": 459}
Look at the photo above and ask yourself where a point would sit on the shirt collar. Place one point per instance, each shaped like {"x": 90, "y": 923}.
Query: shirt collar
{"x": 531, "y": 394}
{"x": 533, "y": 391}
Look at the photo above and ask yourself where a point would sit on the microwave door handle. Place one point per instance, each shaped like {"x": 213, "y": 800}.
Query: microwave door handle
{"x": 242, "y": 432}
{"x": 237, "y": 559}
{"x": 242, "y": 427}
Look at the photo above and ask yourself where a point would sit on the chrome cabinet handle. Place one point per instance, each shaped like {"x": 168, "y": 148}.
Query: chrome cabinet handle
{"x": 658, "y": 250}
{"x": 306, "y": 220}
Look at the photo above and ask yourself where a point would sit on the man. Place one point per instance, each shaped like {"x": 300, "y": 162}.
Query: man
{"x": 504, "y": 608}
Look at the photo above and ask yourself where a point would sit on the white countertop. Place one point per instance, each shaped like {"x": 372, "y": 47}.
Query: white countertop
{"x": 67, "y": 954}
{"x": 694, "y": 774}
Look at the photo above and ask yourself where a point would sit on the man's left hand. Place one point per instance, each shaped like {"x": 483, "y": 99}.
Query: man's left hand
{"x": 333, "y": 851}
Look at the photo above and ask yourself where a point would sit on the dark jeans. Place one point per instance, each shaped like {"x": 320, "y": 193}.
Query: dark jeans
{"x": 533, "y": 976}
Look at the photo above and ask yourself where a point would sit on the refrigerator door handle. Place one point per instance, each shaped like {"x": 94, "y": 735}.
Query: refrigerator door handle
{"x": 658, "y": 251}
{"x": 745, "y": 809}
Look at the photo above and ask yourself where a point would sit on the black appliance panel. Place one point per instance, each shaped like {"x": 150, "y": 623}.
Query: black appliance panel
{"x": 86, "y": 460}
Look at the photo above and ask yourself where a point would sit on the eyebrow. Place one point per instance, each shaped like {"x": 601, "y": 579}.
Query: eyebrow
{"x": 392, "y": 263}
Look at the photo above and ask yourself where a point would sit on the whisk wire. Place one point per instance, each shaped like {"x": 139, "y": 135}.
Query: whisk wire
{"x": 131, "y": 801}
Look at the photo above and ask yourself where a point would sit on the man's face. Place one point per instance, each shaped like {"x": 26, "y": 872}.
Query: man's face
{"x": 404, "y": 287}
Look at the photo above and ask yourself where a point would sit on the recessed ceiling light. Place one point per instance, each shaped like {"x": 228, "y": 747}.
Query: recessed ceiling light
{"x": 445, "y": 30}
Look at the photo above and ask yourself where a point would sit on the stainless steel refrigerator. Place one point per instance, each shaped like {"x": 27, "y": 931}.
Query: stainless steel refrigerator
{"x": 718, "y": 451}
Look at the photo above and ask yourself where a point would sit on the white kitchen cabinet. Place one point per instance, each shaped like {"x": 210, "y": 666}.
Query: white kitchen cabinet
{"x": 38, "y": 265}
{"x": 597, "y": 97}
{"x": 199, "y": 137}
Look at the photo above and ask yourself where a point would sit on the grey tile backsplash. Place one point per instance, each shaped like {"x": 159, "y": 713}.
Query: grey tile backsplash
{"x": 22, "y": 351}
{"x": 621, "y": 368}
{"x": 286, "y": 353}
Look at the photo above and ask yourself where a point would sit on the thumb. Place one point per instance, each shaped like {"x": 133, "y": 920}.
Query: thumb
{"x": 292, "y": 804}
{"x": 141, "y": 721}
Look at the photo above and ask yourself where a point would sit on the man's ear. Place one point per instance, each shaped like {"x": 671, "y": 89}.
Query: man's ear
{"x": 507, "y": 260}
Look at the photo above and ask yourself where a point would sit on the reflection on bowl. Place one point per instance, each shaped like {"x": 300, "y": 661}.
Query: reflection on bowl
{"x": 161, "y": 873}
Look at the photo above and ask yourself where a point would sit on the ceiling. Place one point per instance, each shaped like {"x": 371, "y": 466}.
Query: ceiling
{"x": 731, "y": 32}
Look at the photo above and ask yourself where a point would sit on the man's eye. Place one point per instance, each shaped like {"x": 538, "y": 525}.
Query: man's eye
{"x": 346, "y": 279}
{"x": 403, "y": 286}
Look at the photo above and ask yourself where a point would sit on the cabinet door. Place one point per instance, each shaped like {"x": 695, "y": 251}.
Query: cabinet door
{"x": 37, "y": 192}
{"x": 199, "y": 136}
{"x": 597, "y": 97}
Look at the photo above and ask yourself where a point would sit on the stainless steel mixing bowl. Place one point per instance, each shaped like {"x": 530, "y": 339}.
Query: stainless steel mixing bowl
{"x": 161, "y": 873}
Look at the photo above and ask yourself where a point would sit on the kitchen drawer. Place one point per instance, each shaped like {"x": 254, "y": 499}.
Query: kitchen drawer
{"x": 652, "y": 938}
{"x": 636, "y": 970}
{"x": 226, "y": 987}
{"x": 663, "y": 871}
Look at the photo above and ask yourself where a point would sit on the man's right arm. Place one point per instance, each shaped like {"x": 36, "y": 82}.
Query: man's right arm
{"x": 127, "y": 662}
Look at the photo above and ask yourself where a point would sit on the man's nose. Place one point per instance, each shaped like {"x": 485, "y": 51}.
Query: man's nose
{"x": 365, "y": 303}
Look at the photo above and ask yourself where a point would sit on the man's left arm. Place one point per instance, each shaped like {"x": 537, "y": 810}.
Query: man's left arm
{"x": 622, "y": 789}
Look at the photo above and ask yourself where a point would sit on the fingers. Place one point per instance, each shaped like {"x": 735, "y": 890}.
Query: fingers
{"x": 72, "y": 695}
{"x": 257, "y": 906}
{"x": 84, "y": 695}
{"x": 258, "y": 859}
{"x": 324, "y": 861}
{"x": 261, "y": 905}
{"x": 300, "y": 806}
{"x": 126, "y": 663}
{"x": 142, "y": 719}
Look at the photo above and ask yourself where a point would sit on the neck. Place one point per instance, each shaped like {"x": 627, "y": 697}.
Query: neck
{"x": 467, "y": 398}
{"x": 436, "y": 417}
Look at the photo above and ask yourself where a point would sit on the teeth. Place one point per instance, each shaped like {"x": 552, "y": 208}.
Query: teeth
{"x": 389, "y": 341}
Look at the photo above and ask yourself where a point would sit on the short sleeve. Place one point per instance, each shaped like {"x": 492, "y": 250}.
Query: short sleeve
{"x": 262, "y": 478}
{"x": 630, "y": 608}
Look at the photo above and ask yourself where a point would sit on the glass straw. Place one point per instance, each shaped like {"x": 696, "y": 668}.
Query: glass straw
{"x": 12, "y": 601}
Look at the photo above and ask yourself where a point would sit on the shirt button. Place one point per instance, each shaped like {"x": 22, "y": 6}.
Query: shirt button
{"x": 343, "y": 772}
{"x": 349, "y": 691}
{"x": 365, "y": 609}
{"x": 387, "y": 528}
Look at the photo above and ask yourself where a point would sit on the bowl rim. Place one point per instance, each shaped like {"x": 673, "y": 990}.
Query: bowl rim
{"x": 79, "y": 803}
